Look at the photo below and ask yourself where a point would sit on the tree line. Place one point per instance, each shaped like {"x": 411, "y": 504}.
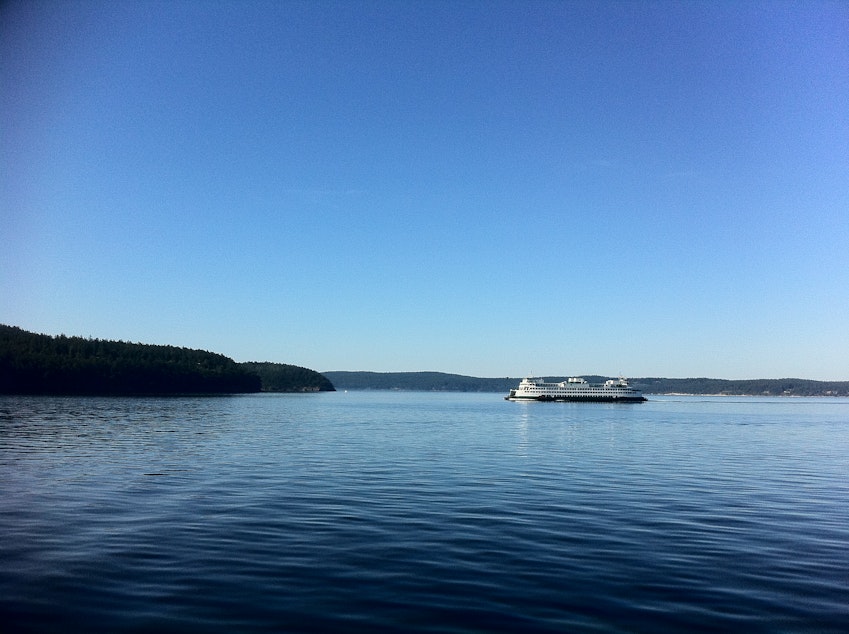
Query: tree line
{"x": 41, "y": 364}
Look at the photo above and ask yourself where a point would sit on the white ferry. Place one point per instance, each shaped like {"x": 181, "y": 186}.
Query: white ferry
{"x": 575, "y": 389}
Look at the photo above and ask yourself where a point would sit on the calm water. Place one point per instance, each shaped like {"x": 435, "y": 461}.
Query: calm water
{"x": 380, "y": 511}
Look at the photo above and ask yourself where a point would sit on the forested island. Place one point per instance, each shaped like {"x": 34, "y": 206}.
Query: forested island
{"x": 33, "y": 363}
{"x": 442, "y": 382}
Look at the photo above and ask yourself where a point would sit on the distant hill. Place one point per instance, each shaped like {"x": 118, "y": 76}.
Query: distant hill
{"x": 281, "y": 377}
{"x": 415, "y": 381}
{"x": 32, "y": 363}
{"x": 442, "y": 382}
{"x": 746, "y": 387}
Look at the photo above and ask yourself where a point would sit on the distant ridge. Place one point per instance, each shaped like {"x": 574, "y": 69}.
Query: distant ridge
{"x": 283, "y": 377}
{"x": 444, "y": 382}
{"x": 415, "y": 381}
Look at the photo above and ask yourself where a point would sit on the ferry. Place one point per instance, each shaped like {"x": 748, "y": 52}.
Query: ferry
{"x": 575, "y": 389}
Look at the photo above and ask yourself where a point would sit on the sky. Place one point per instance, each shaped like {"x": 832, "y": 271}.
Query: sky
{"x": 483, "y": 188}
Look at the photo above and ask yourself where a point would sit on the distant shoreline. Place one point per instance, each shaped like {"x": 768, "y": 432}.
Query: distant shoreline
{"x": 445, "y": 382}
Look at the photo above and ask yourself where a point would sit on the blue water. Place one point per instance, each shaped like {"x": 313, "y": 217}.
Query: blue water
{"x": 388, "y": 511}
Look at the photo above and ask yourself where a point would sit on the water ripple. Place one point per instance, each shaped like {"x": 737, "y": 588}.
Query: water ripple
{"x": 432, "y": 513}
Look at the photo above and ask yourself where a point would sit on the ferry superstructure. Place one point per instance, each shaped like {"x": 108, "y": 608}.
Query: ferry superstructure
{"x": 575, "y": 389}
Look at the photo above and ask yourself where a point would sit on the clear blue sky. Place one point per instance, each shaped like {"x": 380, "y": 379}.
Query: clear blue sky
{"x": 487, "y": 188}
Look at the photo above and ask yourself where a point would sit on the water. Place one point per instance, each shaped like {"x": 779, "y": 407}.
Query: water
{"x": 386, "y": 511}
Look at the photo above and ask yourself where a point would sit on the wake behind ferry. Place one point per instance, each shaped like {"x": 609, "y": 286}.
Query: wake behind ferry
{"x": 575, "y": 389}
